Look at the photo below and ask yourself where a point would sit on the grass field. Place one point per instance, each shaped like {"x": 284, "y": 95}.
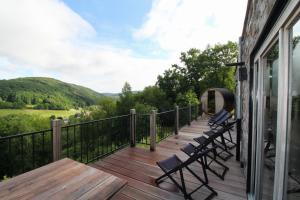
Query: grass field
{"x": 41, "y": 113}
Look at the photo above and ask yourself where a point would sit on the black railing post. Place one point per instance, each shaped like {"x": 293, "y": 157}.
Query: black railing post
{"x": 132, "y": 127}
{"x": 56, "y": 131}
{"x": 176, "y": 120}
{"x": 238, "y": 139}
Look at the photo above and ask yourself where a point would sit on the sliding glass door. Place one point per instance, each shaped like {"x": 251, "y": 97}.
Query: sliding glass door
{"x": 270, "y": 92}
{"x": 275, "y": 168}
{"x": 293, "y": 161}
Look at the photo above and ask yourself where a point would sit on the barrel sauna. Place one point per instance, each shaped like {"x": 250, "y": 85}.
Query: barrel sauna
{"x": 214, "y": 100}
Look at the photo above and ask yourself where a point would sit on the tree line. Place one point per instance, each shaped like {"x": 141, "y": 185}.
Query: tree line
{"x": 181, "y": 84}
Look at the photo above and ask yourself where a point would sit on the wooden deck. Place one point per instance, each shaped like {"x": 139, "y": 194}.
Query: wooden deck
{"x": 138, "y": 167}
{"x": 63, "y": 179}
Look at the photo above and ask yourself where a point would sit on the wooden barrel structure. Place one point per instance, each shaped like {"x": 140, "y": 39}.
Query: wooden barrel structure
{"x": 214, "y": 100}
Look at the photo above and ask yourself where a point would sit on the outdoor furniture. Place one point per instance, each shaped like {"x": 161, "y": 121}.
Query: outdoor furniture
{"x": 216, "y": 117}
{"x": 64, "y": 179}
{"x": 173, "y": 164}
{"x": 213, "y": 139}
{"x": 224, "y": 122}
{"x": 221, "y": 121}
{"x": 190, "y": 149}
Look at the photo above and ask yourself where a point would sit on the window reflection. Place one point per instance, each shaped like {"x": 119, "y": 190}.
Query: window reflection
{"x": 293, "y": 177}
{"x": 270, "y": 121}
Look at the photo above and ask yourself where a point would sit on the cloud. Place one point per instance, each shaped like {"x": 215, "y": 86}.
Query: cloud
{"x": 47, "y": 38}
{"x": 177, "y": 25}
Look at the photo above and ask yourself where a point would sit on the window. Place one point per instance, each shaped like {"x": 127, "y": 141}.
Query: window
{"x": 270, "y": 120}
{"x": 293, "y": 174}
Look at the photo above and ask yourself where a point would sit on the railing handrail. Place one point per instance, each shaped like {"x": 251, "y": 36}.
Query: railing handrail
{"x": 143, "y": 114}
{"x": 82, "y": 123}
{"x": 183, "y": 108}
{"x": 86, "y": 143}
{"x": 168, "y": 111}
{"x": 24, "y": 134}
{"x": 98, "y": 120}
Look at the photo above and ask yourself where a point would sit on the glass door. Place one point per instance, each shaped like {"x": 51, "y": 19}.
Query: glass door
{"x": 270, "y": 92}
{"x": 293, "y": 162}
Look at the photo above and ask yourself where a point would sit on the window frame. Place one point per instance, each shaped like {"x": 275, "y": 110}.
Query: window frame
{"x": 281, "y": 33}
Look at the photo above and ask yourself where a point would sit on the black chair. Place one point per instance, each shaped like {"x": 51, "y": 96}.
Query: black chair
{"x": 190, "y": 149}
{"x": 224, "y": 122}
{"x": 173, "y": 164}
{"x": 221, "y": 121}
{"x": 213, "y": 137}
{"x": 216, "y": 117}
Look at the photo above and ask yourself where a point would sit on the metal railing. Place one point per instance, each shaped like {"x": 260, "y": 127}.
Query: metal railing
{"x": 165, "y": 124}
{"x": 183, "y": 116}
{"x": 23, "y": 152}
{"x": 194, "y": 111}
{"x": 143, "y": 129}
{"x": 87, "y": 142}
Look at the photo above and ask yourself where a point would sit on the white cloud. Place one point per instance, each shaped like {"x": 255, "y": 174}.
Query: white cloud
{"x": 177, "y": 25}
{"x": 46, "y": 38}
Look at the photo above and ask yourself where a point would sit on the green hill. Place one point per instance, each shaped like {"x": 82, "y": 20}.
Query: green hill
{"x": 44, "y": 93}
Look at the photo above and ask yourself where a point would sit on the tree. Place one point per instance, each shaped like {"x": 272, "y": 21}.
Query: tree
{"x": 172, "y": 82}
{"x": 201, "y": 70}
{"x": 108, "y": 105}
{"x": 126, "y": 100}
{"x": 154, "y": 97}
{"x": 189, "y": 97}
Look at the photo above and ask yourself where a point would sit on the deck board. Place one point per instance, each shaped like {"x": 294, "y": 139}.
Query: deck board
{"x": 64, "y": 179}
{"x": 138, "y": 167}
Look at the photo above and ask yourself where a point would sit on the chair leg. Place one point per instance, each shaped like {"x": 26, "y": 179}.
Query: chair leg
{"x": 216, "y": 154}
{"x": 204, "y": 170}
{"x": 214, "y": 193}
{"x": 159, "y": 179}
{"x": 221, "y": 176}
{"x": 225, "y": 149}
{"x": 230, "y": 140}
{"x": 186, "y": 196}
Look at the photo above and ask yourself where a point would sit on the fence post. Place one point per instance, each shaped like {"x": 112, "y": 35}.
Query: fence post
{"x": 132, "y": 127}
{"x": 176, "y": 120}
{"x": 56, "y": 125}
{"x": 153, "y": 130}
{"x": 190, "y": 114}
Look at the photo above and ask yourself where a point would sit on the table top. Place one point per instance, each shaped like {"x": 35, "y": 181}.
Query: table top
{"x": 63, "y": 179}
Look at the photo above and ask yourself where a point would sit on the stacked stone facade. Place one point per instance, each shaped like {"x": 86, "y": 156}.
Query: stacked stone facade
{"x": 257, "y": 14}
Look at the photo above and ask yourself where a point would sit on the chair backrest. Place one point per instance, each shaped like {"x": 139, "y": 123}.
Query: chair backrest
{"x": 218, "y": 116}
{"x": 211, "y": 138}
{"x": 199, "y": 151}
{"x": 224, "y": 118}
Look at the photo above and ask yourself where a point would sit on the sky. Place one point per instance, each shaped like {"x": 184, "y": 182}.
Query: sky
{"x": 101, "y": 44}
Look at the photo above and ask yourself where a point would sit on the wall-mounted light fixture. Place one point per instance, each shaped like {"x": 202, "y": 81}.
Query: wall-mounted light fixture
{"x": 242, "y": 70}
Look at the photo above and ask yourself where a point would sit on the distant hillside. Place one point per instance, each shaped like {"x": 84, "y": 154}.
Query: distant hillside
{"x": 44, "y": 93}
{"x": 112, "y": 95}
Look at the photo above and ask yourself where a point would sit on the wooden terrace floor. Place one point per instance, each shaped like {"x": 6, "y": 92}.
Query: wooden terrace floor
{"x": 138, "y": 167}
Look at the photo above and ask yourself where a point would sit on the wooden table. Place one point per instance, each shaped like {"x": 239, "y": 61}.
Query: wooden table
{"x": 64, "y": 179}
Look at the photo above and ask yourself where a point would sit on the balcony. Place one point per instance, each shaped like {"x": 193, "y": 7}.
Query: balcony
{"x": 138, "y": 167}
{"x": 104, "y": 145}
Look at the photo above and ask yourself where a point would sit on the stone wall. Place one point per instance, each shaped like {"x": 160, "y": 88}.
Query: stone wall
{"x": 256, "y": 17}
